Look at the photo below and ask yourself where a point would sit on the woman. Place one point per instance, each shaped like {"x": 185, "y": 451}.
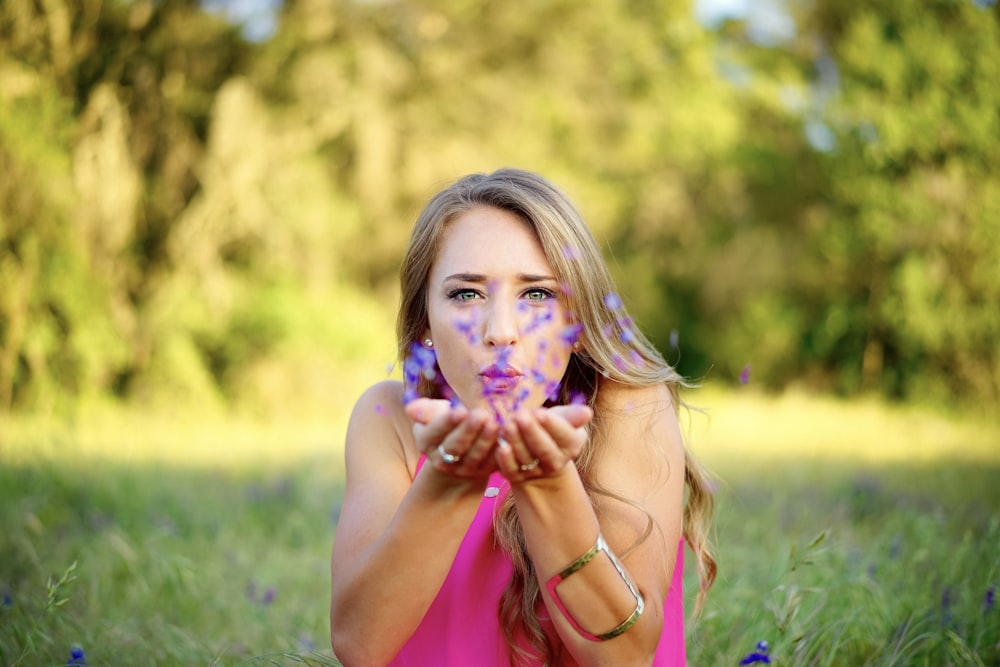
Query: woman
{"x": 520, "y": 498}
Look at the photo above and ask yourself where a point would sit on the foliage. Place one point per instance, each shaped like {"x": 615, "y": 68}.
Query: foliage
{"x": 175, "y": 198}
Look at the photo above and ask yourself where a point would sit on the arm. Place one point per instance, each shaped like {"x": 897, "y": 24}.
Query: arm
{"x": 398, "y": 535}
{"x": 641, "y": 458}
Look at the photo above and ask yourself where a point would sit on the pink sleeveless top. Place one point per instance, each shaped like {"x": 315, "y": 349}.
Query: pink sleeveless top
{"x": 461, "y": 628}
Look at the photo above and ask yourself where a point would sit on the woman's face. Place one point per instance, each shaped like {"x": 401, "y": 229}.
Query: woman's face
{"x": 497, "y": 316}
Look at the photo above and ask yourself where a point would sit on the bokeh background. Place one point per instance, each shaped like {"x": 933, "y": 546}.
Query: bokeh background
{"x": 202, "y": 209}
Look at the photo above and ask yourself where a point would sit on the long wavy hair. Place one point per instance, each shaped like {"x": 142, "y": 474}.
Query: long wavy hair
{"x": 612, "y": 347}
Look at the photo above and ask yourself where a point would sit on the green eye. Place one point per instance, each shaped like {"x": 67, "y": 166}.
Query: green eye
{"x": 463, "y": 295}
{"x": 538, "y": 294}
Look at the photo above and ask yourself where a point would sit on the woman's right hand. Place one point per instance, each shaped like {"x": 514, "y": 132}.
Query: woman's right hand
{"x": 458, "y": 442}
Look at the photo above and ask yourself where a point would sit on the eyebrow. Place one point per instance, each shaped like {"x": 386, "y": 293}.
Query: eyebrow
{"x": 480, "y": 278}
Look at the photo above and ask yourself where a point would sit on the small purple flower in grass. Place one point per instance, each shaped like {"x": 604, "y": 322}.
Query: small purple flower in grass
{"x": 989, "y": 600}
{"x": 946, "y": 598}
{"x": 745, "y": 374}
{"x": 269, "y": 594}
{"x": 946, "y": 602}
{"x": 7, "y": 601}
{"x": 76, "y": 656}
{"x": 758, "y": 656}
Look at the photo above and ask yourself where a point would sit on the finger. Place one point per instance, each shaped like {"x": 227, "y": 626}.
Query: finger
{"x": 567, "y": 436}
{"x": 511, "y": 434}
{"x": 472, "y": 442}
{"x": 539, "y": 443}
{"x": 506, "y": 461}
{"x": 437, "y": 430}
{"x": 424, "y": 410}
{"x": 577, "y": 415}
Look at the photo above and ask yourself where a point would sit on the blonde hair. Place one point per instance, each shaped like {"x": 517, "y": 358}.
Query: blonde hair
{"x": 612, "y": 348}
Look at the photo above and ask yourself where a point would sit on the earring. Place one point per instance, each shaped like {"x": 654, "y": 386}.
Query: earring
{"x": 428, "y": 342}
{"x": 577, "y": 346}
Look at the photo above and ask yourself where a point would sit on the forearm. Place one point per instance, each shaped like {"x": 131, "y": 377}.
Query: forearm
{"x": 380, "y": 594}
{"x": 560, "y": 525}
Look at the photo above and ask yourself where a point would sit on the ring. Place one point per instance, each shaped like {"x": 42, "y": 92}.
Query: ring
{"x": 447, "y": 456}
{"x": 529, "y": 466}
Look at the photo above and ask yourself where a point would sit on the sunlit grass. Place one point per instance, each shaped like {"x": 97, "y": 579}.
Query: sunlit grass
{"x": 747, "y": 424}
{"x": 202, "y": 538}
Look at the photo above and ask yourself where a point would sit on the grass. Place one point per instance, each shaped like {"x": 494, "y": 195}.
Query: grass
{"x": 848, "y": 533}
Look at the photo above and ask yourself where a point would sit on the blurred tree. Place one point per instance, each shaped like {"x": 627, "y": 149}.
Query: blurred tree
{"x": 870, "y": 162}
{"x": 915, "y": 192}
{"x": 180, "y": 208}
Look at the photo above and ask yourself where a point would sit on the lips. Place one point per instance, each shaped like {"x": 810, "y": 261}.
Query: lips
{"x": 499, "y": 380}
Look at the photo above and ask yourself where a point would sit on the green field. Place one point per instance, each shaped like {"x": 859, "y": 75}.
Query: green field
{"x": 848, "y": 534}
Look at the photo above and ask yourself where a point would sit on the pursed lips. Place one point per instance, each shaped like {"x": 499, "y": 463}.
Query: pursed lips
{"x": 499, "y": 380}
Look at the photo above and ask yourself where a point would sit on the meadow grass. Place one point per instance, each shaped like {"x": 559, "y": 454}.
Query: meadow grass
{"x": 848, "y": 533}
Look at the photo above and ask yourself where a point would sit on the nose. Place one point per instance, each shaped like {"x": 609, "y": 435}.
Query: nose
{"x": 501, "y": 326}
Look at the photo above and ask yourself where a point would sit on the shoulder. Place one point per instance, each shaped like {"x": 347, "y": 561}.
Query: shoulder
{"x": 379, "y": 425}
{"x": 614, "y": 397}
{"x": 637, "y": 427}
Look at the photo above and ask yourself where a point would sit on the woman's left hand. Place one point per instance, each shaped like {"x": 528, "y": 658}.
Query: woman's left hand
{"x": 542, "y": 442}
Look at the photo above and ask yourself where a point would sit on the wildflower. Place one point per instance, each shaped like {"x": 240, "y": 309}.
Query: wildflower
{"x": 946, "y": 602}
{"x": 76, "y": 656}
{"x": 946, "y": 598}
{"x": 760, "y": 655}
{"x": 552, "y": 390}
{"x": 467, "y": 328}
{"x": 896, "y": 547}
{"x": 990, "y": 599}
{"x": 503, "y": 359}
{"x": 7, "y": 601}
{"x": 572, "y": 333}
{"x": 269, "y": 594}
{"x": 571, "y": 253}
{"x": 745, "y": 374}
{"x": 619, "y": 363}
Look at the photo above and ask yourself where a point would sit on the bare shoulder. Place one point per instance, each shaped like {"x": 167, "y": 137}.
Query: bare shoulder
{"x": 379, "y": 422}
{"x": 625, "y": 399}
{"x": 637, "y": 431}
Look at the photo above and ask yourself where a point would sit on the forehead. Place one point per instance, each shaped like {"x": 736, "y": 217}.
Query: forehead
{"x": 490, "y": 241}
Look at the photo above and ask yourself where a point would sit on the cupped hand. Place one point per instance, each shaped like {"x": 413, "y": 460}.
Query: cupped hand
{"x": 542, "y": 442}
{"x": 457, "y": 441}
